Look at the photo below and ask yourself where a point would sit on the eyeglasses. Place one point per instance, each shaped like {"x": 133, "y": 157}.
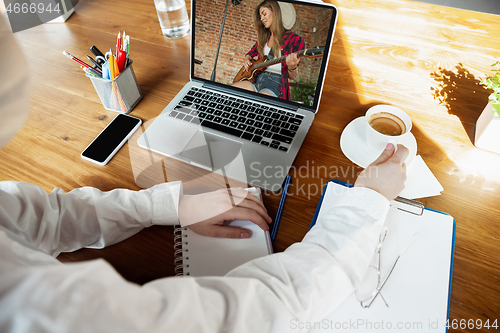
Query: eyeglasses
{"x": 371, "y": 286}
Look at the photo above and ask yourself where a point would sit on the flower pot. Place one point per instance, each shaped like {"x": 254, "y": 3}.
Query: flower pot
{"x": 488, "y": 130}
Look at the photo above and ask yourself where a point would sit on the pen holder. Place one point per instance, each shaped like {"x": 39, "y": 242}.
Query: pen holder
{"x": 120, "y": 94}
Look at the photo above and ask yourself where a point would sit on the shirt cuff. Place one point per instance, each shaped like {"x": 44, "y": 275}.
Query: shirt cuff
{"x": 165, "y": 200}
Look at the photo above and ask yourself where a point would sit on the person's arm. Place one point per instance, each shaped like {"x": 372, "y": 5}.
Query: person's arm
{"x": 254, "y": 51}
{"x": 252, "y": 54}
{"x": 85, "y": 217}
{"x": 292, "y": 61}
{"x": 304, "y": 283}
{"x": 292, "y": 64}
{"x": 310, "y": 279}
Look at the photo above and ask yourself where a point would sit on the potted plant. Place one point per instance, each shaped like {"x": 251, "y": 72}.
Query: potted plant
{"x": 303, "y": 92}
{"x": 488, "y": 124}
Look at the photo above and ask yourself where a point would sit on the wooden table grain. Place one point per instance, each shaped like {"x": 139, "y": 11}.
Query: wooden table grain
{"x": 426, "y": 59}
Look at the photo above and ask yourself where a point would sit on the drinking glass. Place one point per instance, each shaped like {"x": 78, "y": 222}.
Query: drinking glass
{"x": 173, "y": 18}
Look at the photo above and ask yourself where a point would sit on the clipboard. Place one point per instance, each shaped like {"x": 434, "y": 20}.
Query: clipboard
{"x": 419, "y": 289}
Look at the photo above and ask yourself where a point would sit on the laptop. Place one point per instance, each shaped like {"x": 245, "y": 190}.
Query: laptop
{"x": 248, "y": 136}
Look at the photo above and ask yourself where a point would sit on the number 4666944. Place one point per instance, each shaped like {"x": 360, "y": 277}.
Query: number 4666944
{"x": 471, "y": 324}
{"x": 32, "y": 8}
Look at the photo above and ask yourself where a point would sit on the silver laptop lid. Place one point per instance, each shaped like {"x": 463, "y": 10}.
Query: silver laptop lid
{"x": 224, "y": 33}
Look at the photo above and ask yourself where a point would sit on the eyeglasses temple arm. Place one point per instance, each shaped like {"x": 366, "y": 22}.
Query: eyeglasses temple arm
{"x": 393, "y": 266}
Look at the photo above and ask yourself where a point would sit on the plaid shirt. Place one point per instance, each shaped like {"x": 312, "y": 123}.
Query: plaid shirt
{"x": 293, "y": 43}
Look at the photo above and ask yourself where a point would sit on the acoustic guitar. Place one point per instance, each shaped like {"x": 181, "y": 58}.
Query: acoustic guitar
{"x": 261, "y": 64}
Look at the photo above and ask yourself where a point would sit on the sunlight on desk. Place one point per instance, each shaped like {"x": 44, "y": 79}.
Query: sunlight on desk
{"x": 425, "y": 59}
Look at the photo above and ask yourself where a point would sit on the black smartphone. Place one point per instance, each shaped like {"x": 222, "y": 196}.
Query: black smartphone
{"x": 111, "y": 139}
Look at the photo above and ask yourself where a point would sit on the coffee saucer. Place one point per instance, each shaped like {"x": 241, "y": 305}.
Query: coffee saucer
{"x": 354, "y": 147}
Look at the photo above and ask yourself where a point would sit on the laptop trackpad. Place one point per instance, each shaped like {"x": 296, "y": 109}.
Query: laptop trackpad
{"x": 210, "y": 150}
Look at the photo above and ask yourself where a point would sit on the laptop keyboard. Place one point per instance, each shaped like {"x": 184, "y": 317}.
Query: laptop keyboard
{"x": 244, "y": 119}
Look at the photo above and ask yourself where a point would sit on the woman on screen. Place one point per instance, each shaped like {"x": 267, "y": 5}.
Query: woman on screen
{"x": 273, "y": 41}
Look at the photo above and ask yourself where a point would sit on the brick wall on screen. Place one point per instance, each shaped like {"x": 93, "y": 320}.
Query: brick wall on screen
{"x": 239, "y": 36}
{"x": 313, "y": 26}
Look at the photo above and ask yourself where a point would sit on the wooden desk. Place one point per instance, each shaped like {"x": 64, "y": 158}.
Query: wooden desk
{"x": 425, "y": 59}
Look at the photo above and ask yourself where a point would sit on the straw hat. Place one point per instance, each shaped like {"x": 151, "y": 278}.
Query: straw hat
{"x": 288, "y": 14}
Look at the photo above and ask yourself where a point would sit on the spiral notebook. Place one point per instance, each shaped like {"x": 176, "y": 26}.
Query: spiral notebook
{"x": 417, "y": 292}
{"x": 197, "y": 255}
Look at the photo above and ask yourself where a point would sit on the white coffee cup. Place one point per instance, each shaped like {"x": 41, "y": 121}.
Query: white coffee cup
{"x": 377, "y": 141}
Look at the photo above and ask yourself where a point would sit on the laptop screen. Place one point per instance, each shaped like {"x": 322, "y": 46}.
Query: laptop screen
{"x": 285, "y": 45}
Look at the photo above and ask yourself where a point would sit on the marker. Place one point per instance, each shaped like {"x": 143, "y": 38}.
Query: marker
{"x": 105, "y": 71}
{"x": 111, "y": 61}
{"x": 121, "y": 59}
{"x": 99, "y": 55}
{"x": 81, "y": 62}
{"x": 117, "y": 70}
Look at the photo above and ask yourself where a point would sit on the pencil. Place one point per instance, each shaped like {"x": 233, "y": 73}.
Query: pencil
{"x": 280, "y": 208}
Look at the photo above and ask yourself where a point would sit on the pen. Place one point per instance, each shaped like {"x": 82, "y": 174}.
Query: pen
{"x": 124, "y": 54}
{"x": 280, "y": 207}
{"x": 95, "y": 51}
{"x": 95, "y": 62}
{"x": 81, "y": 62}
{"x": 128, "y": 49}
{"x": 118, "y": 43}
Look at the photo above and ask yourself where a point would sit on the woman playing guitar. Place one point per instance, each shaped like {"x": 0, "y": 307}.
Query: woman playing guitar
{"x": 273, "y": 40}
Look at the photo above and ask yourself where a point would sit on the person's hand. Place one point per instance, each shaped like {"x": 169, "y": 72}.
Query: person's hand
{"x": 292, "y": 61}
{"x": 387, "y": 173}
{"x": 206, "y": 213}
{"x": 248, "y": 62}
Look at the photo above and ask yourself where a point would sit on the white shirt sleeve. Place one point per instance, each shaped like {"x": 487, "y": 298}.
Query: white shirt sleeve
{"x": 85, "y": 217}
{"x": 304, "y": 283}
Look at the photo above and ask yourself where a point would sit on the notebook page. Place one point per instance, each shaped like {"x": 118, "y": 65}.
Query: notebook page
{"x": 210, "y": 256}
{"x": 417, "y": 290}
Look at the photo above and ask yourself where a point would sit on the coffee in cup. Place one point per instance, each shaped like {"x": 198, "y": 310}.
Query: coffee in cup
{"x": 387, "y": 124}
